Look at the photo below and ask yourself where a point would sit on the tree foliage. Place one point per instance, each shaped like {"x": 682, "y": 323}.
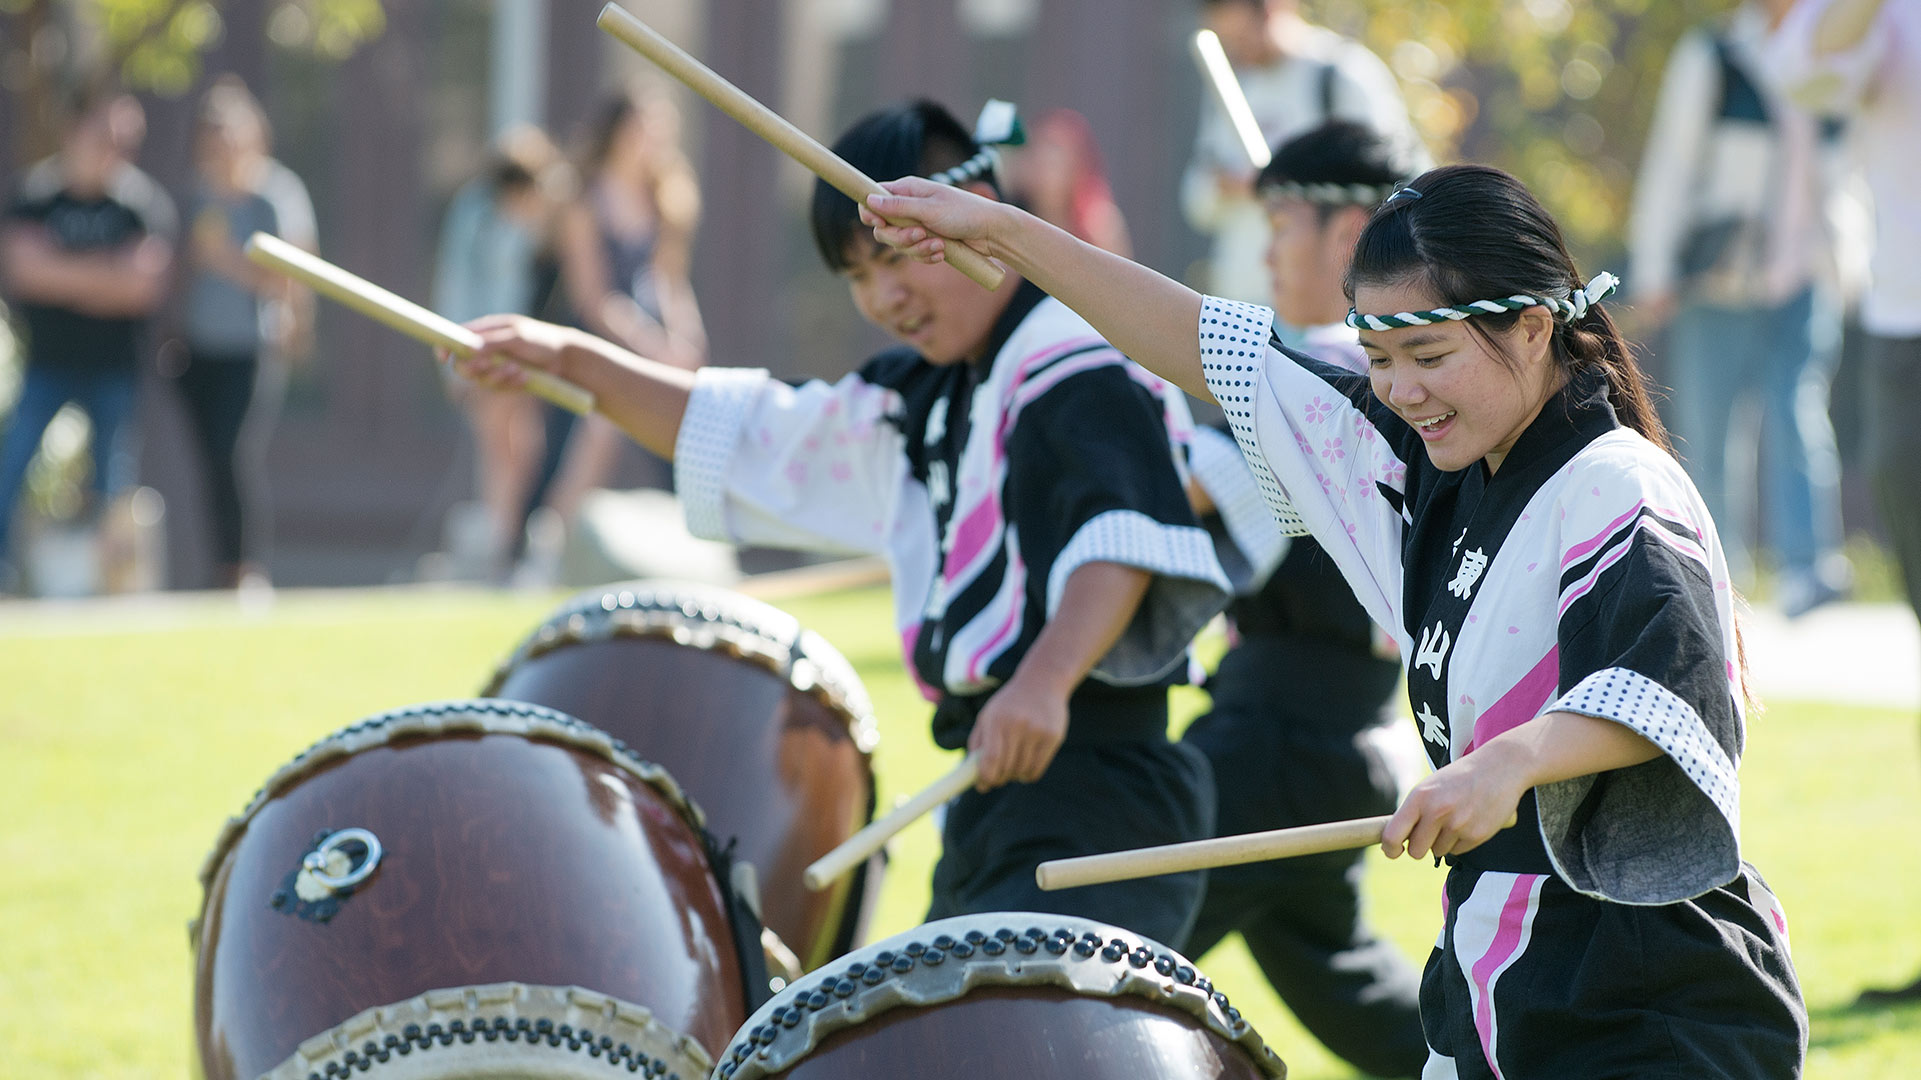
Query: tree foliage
{"x": 1558, "y": 92}
{"x": 49, "y": 46}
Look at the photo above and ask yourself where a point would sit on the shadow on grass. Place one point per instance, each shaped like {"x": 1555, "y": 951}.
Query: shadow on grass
{"x": 1834, "y": 1026}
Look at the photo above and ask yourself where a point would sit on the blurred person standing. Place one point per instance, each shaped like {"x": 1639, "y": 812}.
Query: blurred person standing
{"x": 1296, "y": 76}
{"x": 625, "y": 248}
{"x": 224, "y": 318}
{"x": 1060, "y": 176}
{"x": 85, "y": 252}
{"x": 289, "y": 315}
{"x": 1733, "y": 251}
{"x": 495, "y": 255}
{"x": 1864, "y": 57}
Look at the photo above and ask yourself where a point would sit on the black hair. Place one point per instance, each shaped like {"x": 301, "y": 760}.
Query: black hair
{"x": 918, "y": 138}
{"x": 519, "y": 159}
{"x": 1338, "y": 152}
{"x": 1477, "y": 233}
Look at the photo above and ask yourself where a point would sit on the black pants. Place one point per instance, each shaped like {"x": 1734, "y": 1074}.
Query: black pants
{"x": 1532, "y": 979}
{"x": 218, "y": 390}
{"x": 1287, "y": 742}
{"x": 1097, "y": 795}
{"x": 1893, "y": 397}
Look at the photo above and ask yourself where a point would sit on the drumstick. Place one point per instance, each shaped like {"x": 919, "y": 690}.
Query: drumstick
{"x": 1210, "y": 854}
{"x": 855, "y": 849}
{"x": 769, "y": 125}
{"x": 1227, "y": 90}
{"x": 398, "y": 312}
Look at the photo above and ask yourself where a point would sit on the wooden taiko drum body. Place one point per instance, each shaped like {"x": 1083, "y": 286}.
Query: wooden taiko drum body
{"x": 468, "y": 889}
{"x": 764, "y": 723}
{"x": 1003, "y": 994}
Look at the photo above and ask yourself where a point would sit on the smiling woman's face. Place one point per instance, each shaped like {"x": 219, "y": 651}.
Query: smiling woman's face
{"x": 1466, "y": 402}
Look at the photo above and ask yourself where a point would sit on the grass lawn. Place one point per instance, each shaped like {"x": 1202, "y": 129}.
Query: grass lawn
{"x": 124, "y": 745}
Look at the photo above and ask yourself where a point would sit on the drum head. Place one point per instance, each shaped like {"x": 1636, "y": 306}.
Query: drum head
{"x": 486, "y": 864}
{"x": 504, "y": 1031}
{"x": 1010, "y": 994}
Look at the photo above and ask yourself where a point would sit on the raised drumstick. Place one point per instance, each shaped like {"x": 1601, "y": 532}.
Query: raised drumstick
{"x": 1210, "y": 854}
{"x": 764, "y": 122}
{"x": 397, "y": 312}
{"x": 857, "y": 848}
{"x": 1227, "y": 90}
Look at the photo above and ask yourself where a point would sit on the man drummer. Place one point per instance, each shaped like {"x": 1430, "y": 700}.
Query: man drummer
{"x": 1025, "y": 483}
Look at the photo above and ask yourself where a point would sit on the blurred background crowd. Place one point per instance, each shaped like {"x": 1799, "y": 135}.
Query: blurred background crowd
{"x": 174, "y": 418}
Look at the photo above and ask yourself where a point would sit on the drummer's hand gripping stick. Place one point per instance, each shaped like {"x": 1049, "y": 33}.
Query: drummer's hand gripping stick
{"x": 398, "y": 312}
{"x": 1213, "y": 854}
{"x": 857, "y": 848}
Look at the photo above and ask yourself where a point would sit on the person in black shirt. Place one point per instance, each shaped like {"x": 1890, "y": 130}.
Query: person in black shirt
{"x": 85, "y": 250}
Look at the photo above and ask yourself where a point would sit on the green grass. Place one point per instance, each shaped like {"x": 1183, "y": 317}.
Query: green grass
{"x": 123, "y": 746}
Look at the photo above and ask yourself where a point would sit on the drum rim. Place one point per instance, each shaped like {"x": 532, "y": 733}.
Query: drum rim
{"x": 708, "y": 618}
{"x": 924, "y": 967}
{"x": 427, "y": 1019}
{"x": 463, "y": 716}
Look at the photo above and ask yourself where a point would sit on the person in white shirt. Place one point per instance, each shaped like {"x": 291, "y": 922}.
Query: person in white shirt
{"x": 1864, "y": 56}
{"x": 1296, "y": 76}
{"x": 1733, "y": 252}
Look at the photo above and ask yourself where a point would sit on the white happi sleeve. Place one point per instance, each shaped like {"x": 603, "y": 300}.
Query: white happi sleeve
{"x": 1646, "y": 639}
{"x": 816, "y": 467}
{"x": 1318, "y": 457}
{"x": 1254, "y": 543}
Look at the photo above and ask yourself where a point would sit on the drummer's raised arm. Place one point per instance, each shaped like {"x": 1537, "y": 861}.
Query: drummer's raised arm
{"x": 1153, "y": 319}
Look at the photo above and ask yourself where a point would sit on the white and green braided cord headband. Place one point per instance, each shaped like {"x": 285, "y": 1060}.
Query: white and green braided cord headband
{"x": 1329, "y": 194}
{"x": 1574, "y": 307}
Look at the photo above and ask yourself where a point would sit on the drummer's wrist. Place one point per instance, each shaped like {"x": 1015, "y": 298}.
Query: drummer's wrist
{"x": 585, "y": 360}
{"x": 1012, "y": 237}
{"x": 1004, "y": 231}
{"x": 1041, "y": 674}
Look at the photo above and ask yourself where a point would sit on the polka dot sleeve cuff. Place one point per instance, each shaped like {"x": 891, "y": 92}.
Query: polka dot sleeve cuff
{"x": 1233, "y": 339}
{"x": 1187, "y": 590}
{"x": 1659, "y": 832}
{"x": 1224, "y": 474}
{"x": 710, "y": 430}
{"x": 1652, "y": 711}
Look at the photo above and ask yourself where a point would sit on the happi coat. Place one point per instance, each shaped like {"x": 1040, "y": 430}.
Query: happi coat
{"x": 1596, "y": 936}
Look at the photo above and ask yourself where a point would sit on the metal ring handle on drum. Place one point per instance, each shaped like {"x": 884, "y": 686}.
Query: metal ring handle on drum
{"x": 316, "y": 860}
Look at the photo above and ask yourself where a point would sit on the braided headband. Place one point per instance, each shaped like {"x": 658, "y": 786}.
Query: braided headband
{"x": 999, "y": 125}
{"x": 970, "y": 170}
{"x": 1571, "y": 309}
{"x": 1329, "y": 194}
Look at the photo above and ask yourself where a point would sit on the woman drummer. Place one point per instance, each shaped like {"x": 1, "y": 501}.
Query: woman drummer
{"x": 1500, "y": 493}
